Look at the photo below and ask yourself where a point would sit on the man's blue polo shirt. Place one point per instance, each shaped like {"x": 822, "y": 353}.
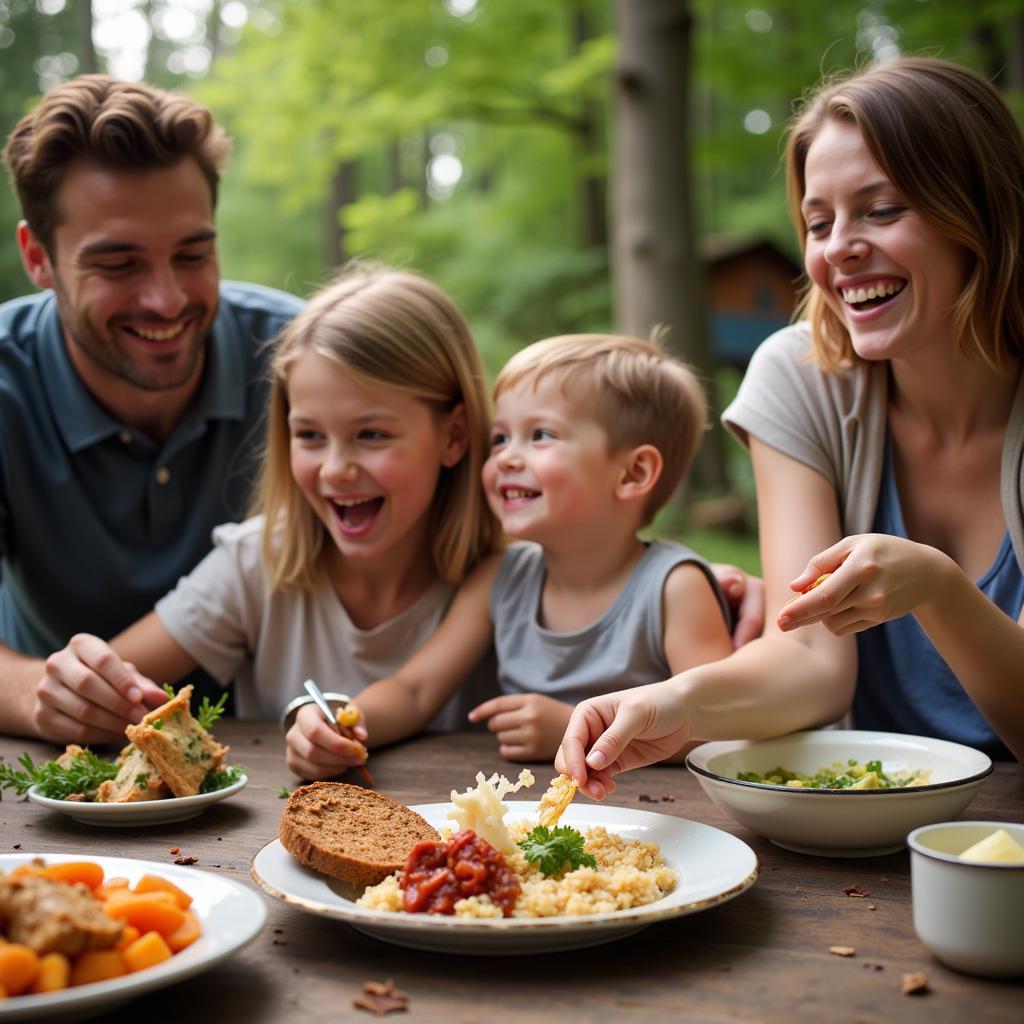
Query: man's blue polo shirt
{"x": 96, "y": 520}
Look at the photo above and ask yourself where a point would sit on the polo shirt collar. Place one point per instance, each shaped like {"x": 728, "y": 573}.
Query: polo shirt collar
{"x": 83, "y": 422}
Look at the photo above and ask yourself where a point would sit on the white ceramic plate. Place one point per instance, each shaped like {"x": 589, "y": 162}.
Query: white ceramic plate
{"x": 230, "y": 913}
{"x": 143, "y": 812}
{"x": 839, "y": 822}
{"x": 712, "y": 867}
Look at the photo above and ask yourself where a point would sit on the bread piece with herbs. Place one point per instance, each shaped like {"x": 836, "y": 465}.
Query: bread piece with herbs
{"x": 136, "y": 779}
{"x": 181, "y": 750}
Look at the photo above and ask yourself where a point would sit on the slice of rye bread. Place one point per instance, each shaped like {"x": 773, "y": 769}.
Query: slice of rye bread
{"x": 350, "y": 833}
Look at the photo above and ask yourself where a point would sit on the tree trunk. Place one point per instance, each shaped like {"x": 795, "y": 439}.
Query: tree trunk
{"x": 88, "y": 65}
{"x": 342, "y": 192}
{"x": 593, "y": 198}
{"x": 657, "y": 278}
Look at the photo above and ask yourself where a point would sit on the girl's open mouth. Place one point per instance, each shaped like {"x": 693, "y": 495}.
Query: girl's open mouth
{"x": 355, "y": 518}
{"x": 876, "y": 294}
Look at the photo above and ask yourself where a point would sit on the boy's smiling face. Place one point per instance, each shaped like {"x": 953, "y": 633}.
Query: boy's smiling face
{"x": 549, "y": 472}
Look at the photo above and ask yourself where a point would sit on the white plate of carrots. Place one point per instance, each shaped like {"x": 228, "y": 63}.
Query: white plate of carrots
{"x": 178, "y": 922}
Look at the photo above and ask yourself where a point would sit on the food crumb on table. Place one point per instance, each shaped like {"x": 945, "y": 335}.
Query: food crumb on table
{"x": 855, "y": 890}
{"x": 915, "y": 984}
{"x": 381, "y": 998}
{"x": 842, "y": 950}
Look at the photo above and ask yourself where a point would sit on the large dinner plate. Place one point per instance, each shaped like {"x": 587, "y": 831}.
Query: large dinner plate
{"x": 712, "y": 867}
{"x": 230, "y": 913}
{"x": 141, "y": 812}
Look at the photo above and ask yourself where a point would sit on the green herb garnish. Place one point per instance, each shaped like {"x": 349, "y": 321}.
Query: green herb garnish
{"x": 283, "y": 792}
{"x": 209, "y": 713}
{"x": 82, "y": 773}
{"x": 221, "y": 778}
{"x": 553, "y": 848}
{"x": 169, "y": 690}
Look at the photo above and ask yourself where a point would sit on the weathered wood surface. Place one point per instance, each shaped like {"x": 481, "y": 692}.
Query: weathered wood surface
{"x": 761, "y": 957}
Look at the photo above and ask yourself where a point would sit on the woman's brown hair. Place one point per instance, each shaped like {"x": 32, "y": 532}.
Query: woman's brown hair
{"x": 944, "y": 137}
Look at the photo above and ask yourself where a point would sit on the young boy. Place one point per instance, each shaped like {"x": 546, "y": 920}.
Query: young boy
{"x": 592, "y": 435}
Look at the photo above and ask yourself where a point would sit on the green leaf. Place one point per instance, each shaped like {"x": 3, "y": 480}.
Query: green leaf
{"x": 221, "y": 778}
{"x": 209, "y": 713}
{"x": 82, "y": 773}
{"x": 552, "y": 849}
{"x": 169, "y": 690}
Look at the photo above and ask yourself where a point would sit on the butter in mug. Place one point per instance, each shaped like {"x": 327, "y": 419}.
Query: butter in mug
{"x": 997, "y": 847}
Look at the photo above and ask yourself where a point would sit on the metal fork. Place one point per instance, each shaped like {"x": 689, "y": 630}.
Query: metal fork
{"x": 321, "y": 702}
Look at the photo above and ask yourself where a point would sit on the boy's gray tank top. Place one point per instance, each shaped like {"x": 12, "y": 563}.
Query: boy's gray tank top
{"x": 623, "y": 648}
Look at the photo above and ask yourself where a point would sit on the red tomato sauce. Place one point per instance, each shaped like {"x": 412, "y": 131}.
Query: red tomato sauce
{"x": 438, "y": 875}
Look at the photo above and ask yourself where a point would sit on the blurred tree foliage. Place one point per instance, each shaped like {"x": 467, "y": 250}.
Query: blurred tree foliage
{"x": 390, "y": 99}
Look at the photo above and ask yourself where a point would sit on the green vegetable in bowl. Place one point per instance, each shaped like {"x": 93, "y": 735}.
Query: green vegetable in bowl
{"x": 851, "y": 775}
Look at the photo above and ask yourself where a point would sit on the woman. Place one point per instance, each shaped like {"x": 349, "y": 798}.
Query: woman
{"x": 886, "y": 432}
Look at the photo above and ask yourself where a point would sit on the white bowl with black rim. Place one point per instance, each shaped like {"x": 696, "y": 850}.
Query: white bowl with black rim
{"x": 839, "y": 822}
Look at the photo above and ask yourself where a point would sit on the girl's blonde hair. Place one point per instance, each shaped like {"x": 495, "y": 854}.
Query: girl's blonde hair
{"x": 397, "y": 329}
{"x": 944, "y": 137}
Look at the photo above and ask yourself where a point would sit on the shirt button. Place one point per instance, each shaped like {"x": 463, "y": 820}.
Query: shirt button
{"x": 163, "y": 474}
{"x": 125, "y": 437}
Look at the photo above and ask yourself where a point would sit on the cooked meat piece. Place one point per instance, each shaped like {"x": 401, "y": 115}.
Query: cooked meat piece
{"x": 54, "y": 917}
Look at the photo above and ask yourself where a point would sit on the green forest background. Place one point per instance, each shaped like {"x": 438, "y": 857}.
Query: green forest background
{"x": 474, "y": 139}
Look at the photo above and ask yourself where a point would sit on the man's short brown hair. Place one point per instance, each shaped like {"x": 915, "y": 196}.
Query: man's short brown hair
{"x": 124, "y": 126}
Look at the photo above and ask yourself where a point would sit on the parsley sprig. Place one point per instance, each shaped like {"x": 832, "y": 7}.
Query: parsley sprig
{"x": 82, "y": 773}
{"x": 221, "y": 778}
{"x": 206, "y": 715}
{"x": 209, "y": 713}
{"x": 552, "y": 848}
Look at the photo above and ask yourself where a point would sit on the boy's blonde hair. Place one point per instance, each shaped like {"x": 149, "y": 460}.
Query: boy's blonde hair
{"x": 397, "y": 329}
{"x": 635, "y": 391}
{"x": 943, "y": 136}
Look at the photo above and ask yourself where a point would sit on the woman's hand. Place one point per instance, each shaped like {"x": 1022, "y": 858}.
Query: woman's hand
{"x": 314, "y": 750}
{"x": 89, "y": 695}
{"x": 617, "y": 732}
{"x": 745, "y": 596}
{"x": 528, "y": 725}
{"x": 873, "y": 578}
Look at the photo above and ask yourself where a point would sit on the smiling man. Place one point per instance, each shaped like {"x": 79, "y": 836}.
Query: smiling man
{"x": 131, "y": 388}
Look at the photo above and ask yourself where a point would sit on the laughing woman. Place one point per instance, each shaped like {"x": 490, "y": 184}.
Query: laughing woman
{"x": 886, "y": 430}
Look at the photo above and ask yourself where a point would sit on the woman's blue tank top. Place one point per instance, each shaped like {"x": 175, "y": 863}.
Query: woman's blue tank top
{"x": 903, "y": 684}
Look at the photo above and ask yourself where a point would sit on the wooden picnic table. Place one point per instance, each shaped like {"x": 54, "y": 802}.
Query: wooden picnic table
{"x": 763, "y": 956}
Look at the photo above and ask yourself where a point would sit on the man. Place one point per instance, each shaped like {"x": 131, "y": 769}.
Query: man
{"x": 131, "y": 391}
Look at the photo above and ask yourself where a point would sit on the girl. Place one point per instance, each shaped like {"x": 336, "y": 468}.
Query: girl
{"x": 369, "y": 515}
{"x": 887, "y": 441}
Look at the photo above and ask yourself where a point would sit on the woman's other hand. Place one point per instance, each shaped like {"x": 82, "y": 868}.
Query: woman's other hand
{"x": 316, "y": 750}
{"x": 872, "y": 578}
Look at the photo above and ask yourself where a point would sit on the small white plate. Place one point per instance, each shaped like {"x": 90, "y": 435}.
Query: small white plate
{"x": 712, "y": 867}
{"x": 142, "y": 812}
{"x": 230, "y": 913}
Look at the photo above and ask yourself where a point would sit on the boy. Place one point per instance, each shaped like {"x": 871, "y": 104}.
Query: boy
{"x": 592, "y": 435}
